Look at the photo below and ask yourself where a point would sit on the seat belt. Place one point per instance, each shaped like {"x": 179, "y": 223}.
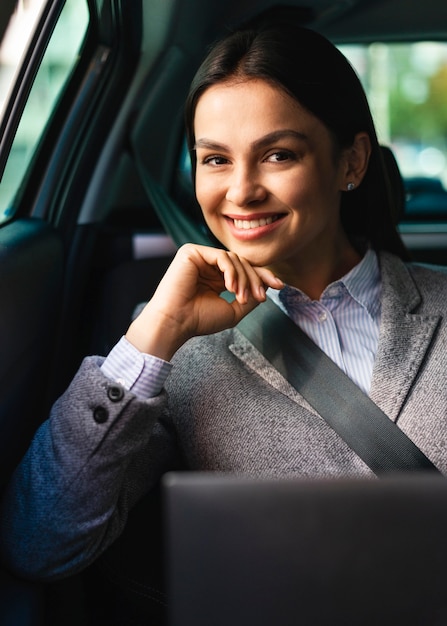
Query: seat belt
{"x": 367, "y": 430}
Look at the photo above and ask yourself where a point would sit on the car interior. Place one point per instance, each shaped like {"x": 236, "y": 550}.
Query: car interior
{"x": 96, "y": 194}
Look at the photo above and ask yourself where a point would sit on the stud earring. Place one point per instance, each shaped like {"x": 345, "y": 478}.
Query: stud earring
{"x": 350, "y": 186}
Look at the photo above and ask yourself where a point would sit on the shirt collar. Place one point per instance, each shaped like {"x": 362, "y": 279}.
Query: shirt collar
{"x": 362, "y": 283}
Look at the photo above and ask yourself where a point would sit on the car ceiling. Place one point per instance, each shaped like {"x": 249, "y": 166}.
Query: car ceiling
{"x": 340, "y": 19}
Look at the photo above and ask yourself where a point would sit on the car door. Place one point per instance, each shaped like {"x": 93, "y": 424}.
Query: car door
{"x": 64, "y": 66}
{"x": 31, "y": 247}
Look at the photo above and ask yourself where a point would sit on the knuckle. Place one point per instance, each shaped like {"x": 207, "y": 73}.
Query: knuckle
{"x": 186, "y": 248}
{"x": 235, "y": 258}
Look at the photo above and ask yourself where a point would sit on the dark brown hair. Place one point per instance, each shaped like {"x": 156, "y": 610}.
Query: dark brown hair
{"x": 315, "y": 73}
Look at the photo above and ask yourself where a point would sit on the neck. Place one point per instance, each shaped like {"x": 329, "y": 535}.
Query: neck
{"x": 314, "y": 275}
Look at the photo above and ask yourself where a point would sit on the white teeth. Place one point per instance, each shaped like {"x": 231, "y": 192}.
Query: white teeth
{"x": 247, "y": 224}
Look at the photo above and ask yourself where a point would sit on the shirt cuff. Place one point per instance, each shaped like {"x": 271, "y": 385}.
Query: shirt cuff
{"x": 143, "y": 374}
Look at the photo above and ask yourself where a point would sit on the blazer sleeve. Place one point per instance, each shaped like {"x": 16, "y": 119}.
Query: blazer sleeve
{"x": 86, "y": 466}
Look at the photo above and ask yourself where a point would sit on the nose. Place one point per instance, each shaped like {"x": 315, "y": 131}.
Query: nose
{"x": 245, "y": 188}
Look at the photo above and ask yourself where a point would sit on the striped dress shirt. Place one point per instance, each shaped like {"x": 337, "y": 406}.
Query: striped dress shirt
{"x": 345, "y": 321}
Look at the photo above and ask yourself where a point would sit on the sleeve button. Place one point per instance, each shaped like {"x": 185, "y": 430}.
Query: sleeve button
{"x": 100, "y": 415}
{"x": 115, "y": 393}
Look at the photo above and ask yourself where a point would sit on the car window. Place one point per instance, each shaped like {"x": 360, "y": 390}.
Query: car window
{"x": 406, "y": 85}
{"x": 55, "y": 68}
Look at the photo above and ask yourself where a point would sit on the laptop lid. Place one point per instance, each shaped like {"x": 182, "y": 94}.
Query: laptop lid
{"x": 245, "y": 552}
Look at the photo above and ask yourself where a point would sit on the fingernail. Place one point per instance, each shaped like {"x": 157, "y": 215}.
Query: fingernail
{"x": 261, "y": 292}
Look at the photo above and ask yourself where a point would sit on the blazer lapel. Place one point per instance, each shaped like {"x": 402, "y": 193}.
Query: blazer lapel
{"x": 255, "y": 361}
{"x": 405, "y": 337}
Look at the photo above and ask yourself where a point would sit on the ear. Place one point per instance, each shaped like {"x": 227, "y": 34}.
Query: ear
{"x": 356, "y": 159}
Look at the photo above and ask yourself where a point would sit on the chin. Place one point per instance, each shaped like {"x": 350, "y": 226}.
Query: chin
{"x": 256, "y": 254}
{"x": 258, "y": 257}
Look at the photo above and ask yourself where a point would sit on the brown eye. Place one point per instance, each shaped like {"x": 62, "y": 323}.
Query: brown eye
{"x": 215, "y": 160}
{"x": 280, "y": 155}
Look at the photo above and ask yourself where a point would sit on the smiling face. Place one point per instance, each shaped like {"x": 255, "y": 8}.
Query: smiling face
{"x": 268, "y": 179}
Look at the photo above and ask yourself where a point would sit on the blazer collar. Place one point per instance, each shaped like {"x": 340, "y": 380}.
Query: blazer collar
{"x": 405, "y": 336}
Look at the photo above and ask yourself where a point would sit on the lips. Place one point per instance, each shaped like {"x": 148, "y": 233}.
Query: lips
{"x": 254, "y": 223}
{"x": 254, "y": 226}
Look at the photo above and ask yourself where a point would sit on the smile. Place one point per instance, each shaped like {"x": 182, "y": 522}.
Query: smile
{"x": 249, "y": 224}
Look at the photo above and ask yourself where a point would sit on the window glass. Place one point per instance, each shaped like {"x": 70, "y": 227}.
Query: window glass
{"x": 406, "y": 85}
{"x": 57, "y": 64}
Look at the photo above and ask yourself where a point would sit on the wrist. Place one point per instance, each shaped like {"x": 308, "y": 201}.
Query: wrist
{"x": 155, "y": 334}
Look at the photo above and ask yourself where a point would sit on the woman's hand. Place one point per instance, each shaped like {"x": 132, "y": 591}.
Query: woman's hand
{"x": 187, "y": 301}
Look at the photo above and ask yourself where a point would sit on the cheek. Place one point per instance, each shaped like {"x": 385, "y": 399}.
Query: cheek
{"x": 293, "y": 191}
{"x": 307, "y": 189}
{"x": 207, "y": 195}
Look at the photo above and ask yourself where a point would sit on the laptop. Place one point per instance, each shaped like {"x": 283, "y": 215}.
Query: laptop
{"x": 248, "y": 552}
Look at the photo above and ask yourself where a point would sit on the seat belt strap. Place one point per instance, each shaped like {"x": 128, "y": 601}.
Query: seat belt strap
{"x": 367, "y": 430}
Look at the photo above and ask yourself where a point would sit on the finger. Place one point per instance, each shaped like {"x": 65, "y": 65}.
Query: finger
{"x": 255, "y": 281}
{"x": 268, "y": 278}
{"x": 240, "y": 310}
{"x": 259, "y": 278}
{"x": 244, "y": 277}
{"x": 227, "y": 263}
{"x": 248, "y": 283}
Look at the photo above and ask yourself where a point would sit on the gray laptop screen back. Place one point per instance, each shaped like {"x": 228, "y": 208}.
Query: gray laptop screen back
{"x": 244, "y": 552}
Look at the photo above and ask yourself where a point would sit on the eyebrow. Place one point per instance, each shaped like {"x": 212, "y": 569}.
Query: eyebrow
{"x": 267, "y": 140}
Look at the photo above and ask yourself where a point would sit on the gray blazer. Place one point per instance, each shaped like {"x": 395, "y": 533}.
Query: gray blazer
{"x": 225, "y": 409}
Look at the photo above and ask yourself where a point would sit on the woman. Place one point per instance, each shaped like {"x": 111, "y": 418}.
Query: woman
{"x": 289, "y": 177}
